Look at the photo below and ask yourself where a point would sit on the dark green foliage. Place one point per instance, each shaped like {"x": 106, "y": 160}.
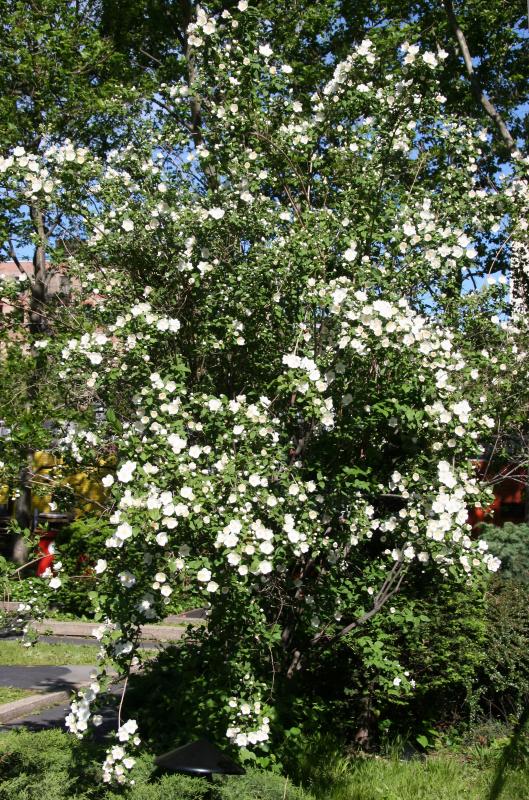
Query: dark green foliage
{"x": 511, "y": 544}
{"x": 441, "y": 643}
{"x": 80, "y": 545}
{"x": 44, "y": 766}
{"x": 503, "y": 685}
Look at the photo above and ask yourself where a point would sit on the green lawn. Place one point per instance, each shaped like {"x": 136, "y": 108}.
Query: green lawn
{"x": 53, "y": 655}
{"x": 14, "y": 653}
{"x": 8, "y": 694}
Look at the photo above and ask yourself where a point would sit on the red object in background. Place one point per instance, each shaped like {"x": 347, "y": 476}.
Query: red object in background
{"x": 509, "y": 486}
{"x": 45, "y": 540}
{"x": 58, "y": 520}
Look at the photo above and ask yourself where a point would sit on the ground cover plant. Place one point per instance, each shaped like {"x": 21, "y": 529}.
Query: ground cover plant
{"x": 280, "y": 341}
{"x": 10, "y": 693}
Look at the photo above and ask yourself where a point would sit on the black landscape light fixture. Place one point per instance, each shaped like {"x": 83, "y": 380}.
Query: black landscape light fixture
{"x": 201, "y": 759}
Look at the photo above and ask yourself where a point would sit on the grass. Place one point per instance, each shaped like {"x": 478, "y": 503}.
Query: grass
{"x": 43, "y": 654}
{"x": 8, "y": 694}
{"x": 54, "y": 766}
{"x": 437, "y": 778}
{"x": 499, "y": 771}
{"x": 52, "y": 655}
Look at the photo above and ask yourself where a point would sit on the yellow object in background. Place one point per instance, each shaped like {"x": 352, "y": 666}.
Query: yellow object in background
{"x": 89, "y": 491}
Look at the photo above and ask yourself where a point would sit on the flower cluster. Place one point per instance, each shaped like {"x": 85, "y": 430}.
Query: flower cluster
{"x": 118, "y": 762}
{"x": 248, "y": 726}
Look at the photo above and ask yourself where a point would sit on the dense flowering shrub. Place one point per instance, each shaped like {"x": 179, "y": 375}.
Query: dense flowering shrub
{"x": 272, "y": 325}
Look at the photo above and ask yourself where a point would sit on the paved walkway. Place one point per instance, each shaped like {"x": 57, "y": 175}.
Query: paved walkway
{"x": 66, "y": 679}
{"x": 54, "y": 718}
{"x": 49, "y": 679}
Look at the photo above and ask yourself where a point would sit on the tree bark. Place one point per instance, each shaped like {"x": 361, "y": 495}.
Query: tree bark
{"x": 39, "y": 286}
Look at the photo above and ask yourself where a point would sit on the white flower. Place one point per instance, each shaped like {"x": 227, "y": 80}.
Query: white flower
{"x": 493, "y": 564}
{"x": 124, "y": 473}
{"x": 127, "y": 225}
{"x": 108, "y": 480}
{"x": 203, "y": 575}
{"x": 216, "y": 213}
{"x": 127, "y": 579}
{"x": 212, "y": 586}
{"x": 100, "y": 566}
{"x": 291, "y": 360}
{"x": 242, "y": 5}
{"x": 430, "y": 59}
{"x": 123, "y": 531}
{"x": 265, "y": 50}
{"x": 383, "y": 308}
{"x": 162, "y": 538}
{"x": 265, "y": 567}
{"x": 176, "y": 442}
{"x": 55, "y": 583}
{"x": 351, "y": 252}
{"x": 214, "y": 405}
{"x": 445, "y": 475}
{"x": 127, "y": 730}
{"x": 166, "y": 590}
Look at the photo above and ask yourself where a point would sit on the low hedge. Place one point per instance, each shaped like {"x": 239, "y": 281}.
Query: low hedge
{"x": 52, "y": 765}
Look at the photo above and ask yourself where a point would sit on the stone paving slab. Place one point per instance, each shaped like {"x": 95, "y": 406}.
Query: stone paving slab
{"x": 161, "y": 633}
{"x": 193, "y": 613}
{"x": 44, "y": 638}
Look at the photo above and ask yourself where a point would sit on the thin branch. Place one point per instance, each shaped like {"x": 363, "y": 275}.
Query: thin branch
{"x": 389, "y": 588}
{"x": 490, "y": 109}
{"x": 122, "y": 699}
{"x": 12, "y": 253}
